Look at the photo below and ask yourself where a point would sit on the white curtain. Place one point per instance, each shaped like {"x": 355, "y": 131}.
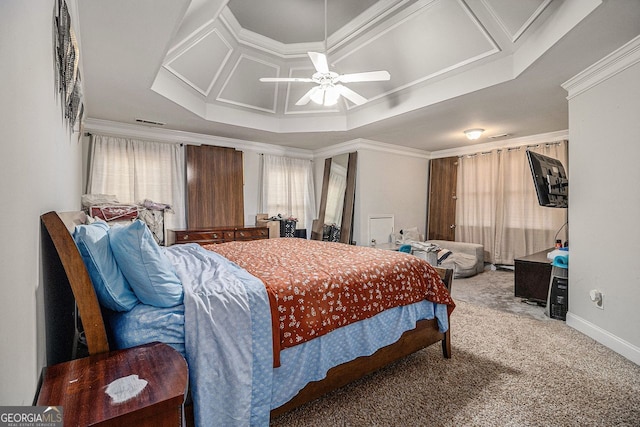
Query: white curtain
{"x": 134, "y": 170}
{"x": 477, "y": 202}
{"x": 497, "y": 204}
{"x": 287, "y": 189}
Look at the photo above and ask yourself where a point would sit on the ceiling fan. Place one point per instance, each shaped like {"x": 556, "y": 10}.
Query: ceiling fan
{"x": 329, "y": 87}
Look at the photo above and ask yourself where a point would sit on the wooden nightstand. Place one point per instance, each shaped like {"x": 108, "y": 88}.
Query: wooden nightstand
{"x": 79, "y": 386}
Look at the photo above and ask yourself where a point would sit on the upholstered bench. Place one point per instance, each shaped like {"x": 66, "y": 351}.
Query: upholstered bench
{"x": 466, "y": 259}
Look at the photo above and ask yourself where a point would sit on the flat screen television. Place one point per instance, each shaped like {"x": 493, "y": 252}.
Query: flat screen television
{"x": 549, "y": 179}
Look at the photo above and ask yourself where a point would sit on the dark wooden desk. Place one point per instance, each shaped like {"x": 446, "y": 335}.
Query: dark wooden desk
{"x": 532, "y": 276}
{"x": 79, "y": 386}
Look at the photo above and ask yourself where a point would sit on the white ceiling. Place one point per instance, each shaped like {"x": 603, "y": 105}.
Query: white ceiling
{"x": 454, "y": 64}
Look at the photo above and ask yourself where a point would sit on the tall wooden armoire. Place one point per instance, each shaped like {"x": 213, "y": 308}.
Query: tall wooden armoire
{"x": 214, "y": 187}
{"x": 443, "y": 174}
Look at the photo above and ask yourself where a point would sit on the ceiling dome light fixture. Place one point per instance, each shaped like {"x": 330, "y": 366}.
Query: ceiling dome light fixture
{"x": 473, "y": 134}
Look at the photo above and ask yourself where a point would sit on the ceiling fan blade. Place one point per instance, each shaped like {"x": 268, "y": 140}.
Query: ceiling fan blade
{"x": 286, "y": 79}
{"x": 319, "y": 61}
{"x": 369, "y": 76}
{"x": 351, "y": 95}
{"x": 307, "y": 96}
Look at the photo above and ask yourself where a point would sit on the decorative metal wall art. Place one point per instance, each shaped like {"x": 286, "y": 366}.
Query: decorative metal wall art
{"x": 67, "y": 57}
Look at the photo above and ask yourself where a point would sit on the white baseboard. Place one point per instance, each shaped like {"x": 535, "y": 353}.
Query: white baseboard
{"x": 605, "y": 338}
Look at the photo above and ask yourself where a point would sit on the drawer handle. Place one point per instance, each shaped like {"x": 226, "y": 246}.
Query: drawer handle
{"x": 185, "y": 237}
{"x": 242, "y": 233}
{"x": 215, "y": 236}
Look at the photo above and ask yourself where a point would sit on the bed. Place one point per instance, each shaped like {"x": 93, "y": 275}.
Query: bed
{"x": 276, "y": 355}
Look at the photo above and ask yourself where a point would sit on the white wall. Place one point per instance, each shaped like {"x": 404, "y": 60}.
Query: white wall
{"x": 251, "y": 184}
{"x": 40, "y": 171}
{"x": 604, "y": 200}
{"x": 390, "y": 183}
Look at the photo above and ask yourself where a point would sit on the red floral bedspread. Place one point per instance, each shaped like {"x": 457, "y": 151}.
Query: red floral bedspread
{"x": 321, "y": 286}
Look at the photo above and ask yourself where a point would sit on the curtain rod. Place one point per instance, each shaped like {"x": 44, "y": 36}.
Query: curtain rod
{"x": 107, "y": 135}
{"x": 498, "y": 150}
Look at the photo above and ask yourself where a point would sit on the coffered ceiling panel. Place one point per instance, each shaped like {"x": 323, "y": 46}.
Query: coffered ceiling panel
{"x": 243, "y": 88}
{"x": 515, "y": 20}
{"x": 424, "y": 42}
{"x": 201, "y": 62}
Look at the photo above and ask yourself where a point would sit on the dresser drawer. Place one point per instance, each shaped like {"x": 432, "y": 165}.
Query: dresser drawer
{"x": 205, "y": 236}
{"x": 191, "y": 236}
{"x": 252, "y": 234}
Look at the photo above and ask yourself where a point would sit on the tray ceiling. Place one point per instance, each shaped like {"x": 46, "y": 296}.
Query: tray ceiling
{"x": 210, "y": 54}
{"x": 217, "y": 59}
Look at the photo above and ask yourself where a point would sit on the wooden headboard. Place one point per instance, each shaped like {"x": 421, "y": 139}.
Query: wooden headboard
{"x": 62, "y": 264}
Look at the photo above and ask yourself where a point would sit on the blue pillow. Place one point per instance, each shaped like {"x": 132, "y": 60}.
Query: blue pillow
{"x": 112, "y": 289}
{"x": 145, "y": 266}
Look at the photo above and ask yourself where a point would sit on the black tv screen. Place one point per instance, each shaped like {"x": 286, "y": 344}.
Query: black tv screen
{"x": 549, "y": 179}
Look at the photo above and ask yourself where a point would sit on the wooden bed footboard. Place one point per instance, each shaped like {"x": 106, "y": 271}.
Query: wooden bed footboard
{"x": 422, "y": 336}
{"x": 425, "y": 334}
{"x": 75, "y": 274}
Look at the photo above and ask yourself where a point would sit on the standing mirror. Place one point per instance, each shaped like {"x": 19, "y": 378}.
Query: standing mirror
{"x": 335, "y": 218}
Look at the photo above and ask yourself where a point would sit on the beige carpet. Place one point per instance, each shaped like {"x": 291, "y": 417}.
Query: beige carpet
{"x": 507, "y": 370}
{"x": 495, "y": 289}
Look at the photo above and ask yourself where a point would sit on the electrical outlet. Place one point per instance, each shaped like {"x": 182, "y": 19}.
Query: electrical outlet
{"x": 600, "y": 302}
{"x": 598, "y": 298}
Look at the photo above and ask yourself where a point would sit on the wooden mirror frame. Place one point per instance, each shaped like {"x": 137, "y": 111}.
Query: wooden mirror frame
{"x": 349, "y": 200}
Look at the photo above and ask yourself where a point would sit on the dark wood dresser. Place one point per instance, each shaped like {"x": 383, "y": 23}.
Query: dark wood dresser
{"x": 532, "y": 276}
{"x": 81, "y": 388}
{"x": 205, "y": 236}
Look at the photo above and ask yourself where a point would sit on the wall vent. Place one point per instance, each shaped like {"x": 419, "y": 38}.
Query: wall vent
{"x": 150, "y": 122}
{"x": 502, "y": 135}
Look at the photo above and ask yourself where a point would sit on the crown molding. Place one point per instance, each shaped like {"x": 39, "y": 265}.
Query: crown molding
{"x": 126, "y": 130}
{"x": 258, "y": 41}
{"x": 366, "y": 20}
{"x": 368, "y": 144}
{"x": 359, "y": 25}
{"x": 612, "y": 64}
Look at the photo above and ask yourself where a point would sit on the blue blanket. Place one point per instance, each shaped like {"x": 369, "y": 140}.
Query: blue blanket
{"x": 228, "y": 338}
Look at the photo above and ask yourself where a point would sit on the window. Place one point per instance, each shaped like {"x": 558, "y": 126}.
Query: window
{"x": 135, "y": 170}
{"x": 497, "y": 204}
{"x": 287, "y": 189}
